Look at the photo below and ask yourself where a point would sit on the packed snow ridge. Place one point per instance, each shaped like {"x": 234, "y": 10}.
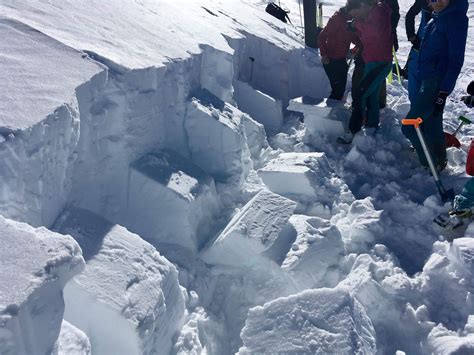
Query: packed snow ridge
{"x": 170, "y": 184}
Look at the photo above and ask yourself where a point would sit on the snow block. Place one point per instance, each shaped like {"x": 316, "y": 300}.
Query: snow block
{"x": 443, "y": 341}
{"x": 305, "y": 177}
{"x": 326, "y": 118}
{"x": 126, "y": 283}
{"x": 263, "y": 108}
{"x": 252, "y": 231}
{"x": 316, "y": 250}
{"x": 35, "y": 265}
{"x": 216, "y": 137}
{"x": 171, "y": 203}
{"x": 319, "y": 321}
{"x": 72, "y": 341}
{"x": 217, "y": 71}
{"x": 256, "y": 140}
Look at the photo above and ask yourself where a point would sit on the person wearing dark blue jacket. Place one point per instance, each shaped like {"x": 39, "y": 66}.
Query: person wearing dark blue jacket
{"x": 440, "y": 61}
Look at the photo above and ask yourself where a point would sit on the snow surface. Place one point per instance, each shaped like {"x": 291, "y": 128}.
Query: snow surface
{"x": 35, "y": 264}
{"x": 107, "y": 89}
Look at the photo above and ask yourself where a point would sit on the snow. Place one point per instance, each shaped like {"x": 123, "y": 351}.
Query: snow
{"x": 72, "y": 341}
{"x": 314, "y": 321}
{"x": 171, "y": 202}
{"x": 253, "y": 230}
{"x": 35, "y": 264}
{"x": 126, "y": 282}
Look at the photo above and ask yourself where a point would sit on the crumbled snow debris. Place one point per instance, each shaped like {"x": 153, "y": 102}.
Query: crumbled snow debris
{"x": 216, "y": 137}
{"x": 35, "y": 265}
{"x": 72, "y": 341}
{"x": 307, "y": 178}
{"x": 253, "y": 230}
{"x": 39, "y": 80}
{"x": 126, "y": 282}
{"x": 322, "y": 118}
{"x": 314, "y": 321}
{"x": 443, "y": 341}
{"x": 263, "y": 108}
{"x": 171, "y": 203}
{"x": 447, "y": 282}
{"x": 316, "y": 251}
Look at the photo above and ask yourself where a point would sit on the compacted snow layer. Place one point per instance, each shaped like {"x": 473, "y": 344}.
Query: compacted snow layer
{"x": 35, "y": 265}
{"x": 171, "y": 203}
{"x": 72, "y": 341}
{"x": 126, "y": 283}
{"x": 313, "y": 321}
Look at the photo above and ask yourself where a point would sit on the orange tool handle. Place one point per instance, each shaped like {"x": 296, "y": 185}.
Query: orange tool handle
{"x": 412, "y": 122}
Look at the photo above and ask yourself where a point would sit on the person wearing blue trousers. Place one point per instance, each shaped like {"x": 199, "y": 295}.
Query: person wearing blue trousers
{"x": 415, "y": 38}
{"x": 440, "y": 61}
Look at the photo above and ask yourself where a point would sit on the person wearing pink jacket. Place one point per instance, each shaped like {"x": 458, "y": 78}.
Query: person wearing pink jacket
{"x": 373, "y": 25}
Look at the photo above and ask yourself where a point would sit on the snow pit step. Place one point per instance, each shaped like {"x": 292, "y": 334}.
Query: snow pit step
{"x": 318, "y": 321}
{"x": 322, "y": 118}
{"x": 316, "y": 250}
{"x": 252, "y": 231}
{"x": 260, "y": 106}
{"x": 171, "y": 203}
{"x": 126, "y": 282}
{"x": 216, "y": 136}
{"x": 35, "y": 265}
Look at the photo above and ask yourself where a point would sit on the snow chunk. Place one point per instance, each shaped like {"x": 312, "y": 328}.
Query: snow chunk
{"x": 171, "y": 203}
{"x": 322, "y": 118}
{"x": 126, "y": 283}
{"x": 305, "y": 177}
{"x": 443, "y": 341}
{"x": 316, "y": 250}
{"x": 35, "y": 264}
{"x": 263, "y": 108}
{"x": 51, "y": 70}
{"x": 313, "y": 321}
{"x": 256, "y": 140}
{"x": 251, "y": 231}
{"x": 216, "y": 137}
{"x": 72, "y": 341}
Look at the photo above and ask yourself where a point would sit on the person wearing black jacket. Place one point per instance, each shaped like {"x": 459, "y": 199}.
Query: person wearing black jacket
{"x": 415, "y": 38}
{"x": 469, "y": 98}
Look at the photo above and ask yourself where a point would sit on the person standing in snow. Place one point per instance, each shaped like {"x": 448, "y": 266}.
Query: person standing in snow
{"x": 334, "y": 42}
{"x": 469, "y": 98}
{"x": 372, "y": 22}
{"x": 415, "y": 39}
{"x": 440, "y": 61}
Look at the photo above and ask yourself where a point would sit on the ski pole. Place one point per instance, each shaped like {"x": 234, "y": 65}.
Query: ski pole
{"x": 396, "y": 65}
{"x": 446, "y": 195}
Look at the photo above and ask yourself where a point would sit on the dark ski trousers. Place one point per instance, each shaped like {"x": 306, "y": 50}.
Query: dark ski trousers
{"x": 432, "y": 126}
{"x": 336, "y": 71}
{"x": 357, "y": 77}
{"x": 366, "y": 96}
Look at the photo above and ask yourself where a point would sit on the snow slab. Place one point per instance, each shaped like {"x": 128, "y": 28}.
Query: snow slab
{"x": 35, "y": 265}
{"x": 444, "y": 341}
{"x": 262, "y": 107}
{"x": 171, "y": 203}
{"x": 40, "y": 74}
{"x": 253, "y": 230}
{"x": 72, "y": 341}
{"x": 126, "y": 283}
{"x": 256, "y": 141}
{"x": 306, "y": 178}
{"x": 216, "y": 137}
{"x": 314, "y": 322}
{"x": 325, "y": 117}
{"x": 315, "y": 252}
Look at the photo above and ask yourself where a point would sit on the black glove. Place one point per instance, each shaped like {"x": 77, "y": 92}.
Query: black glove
{"x": 470, "y": 88}
{"x": 468, "y": 100}
{"x": 416, "y": 43}
{"x": 440, "y": 102}
{"x": 395, "y": 42}
{"x": 351, "y": 26}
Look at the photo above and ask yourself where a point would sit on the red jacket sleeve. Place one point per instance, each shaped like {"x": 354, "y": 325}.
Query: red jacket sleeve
{"x": 470, "y": 160}
{"x": 326, "y": 33}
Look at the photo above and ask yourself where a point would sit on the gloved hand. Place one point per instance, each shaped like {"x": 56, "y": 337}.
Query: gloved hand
{"x": 415, "y": 41}
{"x": 440, "y": 102}
{"x": 395, "y": 42}
{"x": 468, "y": 100}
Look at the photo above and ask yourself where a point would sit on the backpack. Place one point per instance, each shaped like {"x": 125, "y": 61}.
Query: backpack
{"x": 276, "y": 11}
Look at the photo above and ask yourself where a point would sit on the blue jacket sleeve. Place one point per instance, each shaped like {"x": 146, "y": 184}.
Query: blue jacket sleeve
{"x": 457, "y": 35}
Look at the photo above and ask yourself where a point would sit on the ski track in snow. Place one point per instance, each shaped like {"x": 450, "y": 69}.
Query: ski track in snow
{"x": 346, "y": 260}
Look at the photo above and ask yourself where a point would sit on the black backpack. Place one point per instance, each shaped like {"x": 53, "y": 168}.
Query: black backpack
{"x": 275, "y": 10}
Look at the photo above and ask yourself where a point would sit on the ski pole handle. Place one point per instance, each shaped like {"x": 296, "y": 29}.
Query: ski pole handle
{"x": 416, "y": 122}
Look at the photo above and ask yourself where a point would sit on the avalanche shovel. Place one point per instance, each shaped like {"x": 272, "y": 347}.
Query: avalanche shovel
{"x": 450, "y": 138}
{"x": 446, "y": 195}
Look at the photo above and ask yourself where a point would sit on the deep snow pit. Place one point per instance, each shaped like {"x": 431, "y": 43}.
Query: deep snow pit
{"x": 188, "y": 150}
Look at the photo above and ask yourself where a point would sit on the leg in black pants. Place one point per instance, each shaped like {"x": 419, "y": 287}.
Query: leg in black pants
{"x": 336, "y": 71}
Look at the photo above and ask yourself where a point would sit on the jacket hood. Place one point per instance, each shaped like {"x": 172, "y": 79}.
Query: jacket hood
{"x": 454, "y": 6}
